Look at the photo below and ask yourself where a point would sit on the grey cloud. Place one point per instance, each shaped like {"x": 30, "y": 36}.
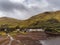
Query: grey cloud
{"x": 9, "y": 6}
{"x": 54, "y": 3}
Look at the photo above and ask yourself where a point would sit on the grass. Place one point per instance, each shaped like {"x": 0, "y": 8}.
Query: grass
{"x": 3, "y": 34}
{"x": 14, "y": 33}
{"x": 23, "y": 32}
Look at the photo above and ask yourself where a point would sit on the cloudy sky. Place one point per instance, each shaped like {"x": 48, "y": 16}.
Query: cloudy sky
{"x": 24, "y": 9}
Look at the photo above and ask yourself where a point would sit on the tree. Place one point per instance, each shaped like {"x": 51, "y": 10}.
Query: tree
{"x": 17, "y": 28}
{"x": 5, "y": 28}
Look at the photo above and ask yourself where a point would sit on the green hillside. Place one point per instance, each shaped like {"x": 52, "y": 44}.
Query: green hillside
{"x": 10, "y": 21}
{"x": 46, "y": 19}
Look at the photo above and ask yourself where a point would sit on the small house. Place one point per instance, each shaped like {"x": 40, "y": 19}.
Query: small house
{"x": 32, "y": 30}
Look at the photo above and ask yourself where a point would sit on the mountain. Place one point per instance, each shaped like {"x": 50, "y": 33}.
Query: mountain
{"x": 46, "y": 19}
{"x": 46, "y": 15}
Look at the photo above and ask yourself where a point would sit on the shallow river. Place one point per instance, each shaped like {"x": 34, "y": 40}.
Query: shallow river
{"x": 51, "y": 41}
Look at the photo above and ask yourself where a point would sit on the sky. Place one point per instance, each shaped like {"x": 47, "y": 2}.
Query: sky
{"x": 24, "y": 9}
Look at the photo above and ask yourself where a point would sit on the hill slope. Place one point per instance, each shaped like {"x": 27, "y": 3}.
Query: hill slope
{"x": 47, "y": 18}
{"x": 9, "y": 21}
{"x": 37, "y": 21}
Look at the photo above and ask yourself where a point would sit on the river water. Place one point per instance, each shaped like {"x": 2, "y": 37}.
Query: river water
{"x": 51, "y": 41}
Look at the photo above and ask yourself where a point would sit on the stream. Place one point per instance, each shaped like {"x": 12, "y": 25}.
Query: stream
{"x": 12, "y": 39}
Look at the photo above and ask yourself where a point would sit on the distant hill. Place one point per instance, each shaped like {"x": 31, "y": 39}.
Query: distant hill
{"x": 41, "y": 20}
{"x": 10, "y": 21}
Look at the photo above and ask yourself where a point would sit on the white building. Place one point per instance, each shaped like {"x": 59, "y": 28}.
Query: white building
{"x": 30, "y": 30}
